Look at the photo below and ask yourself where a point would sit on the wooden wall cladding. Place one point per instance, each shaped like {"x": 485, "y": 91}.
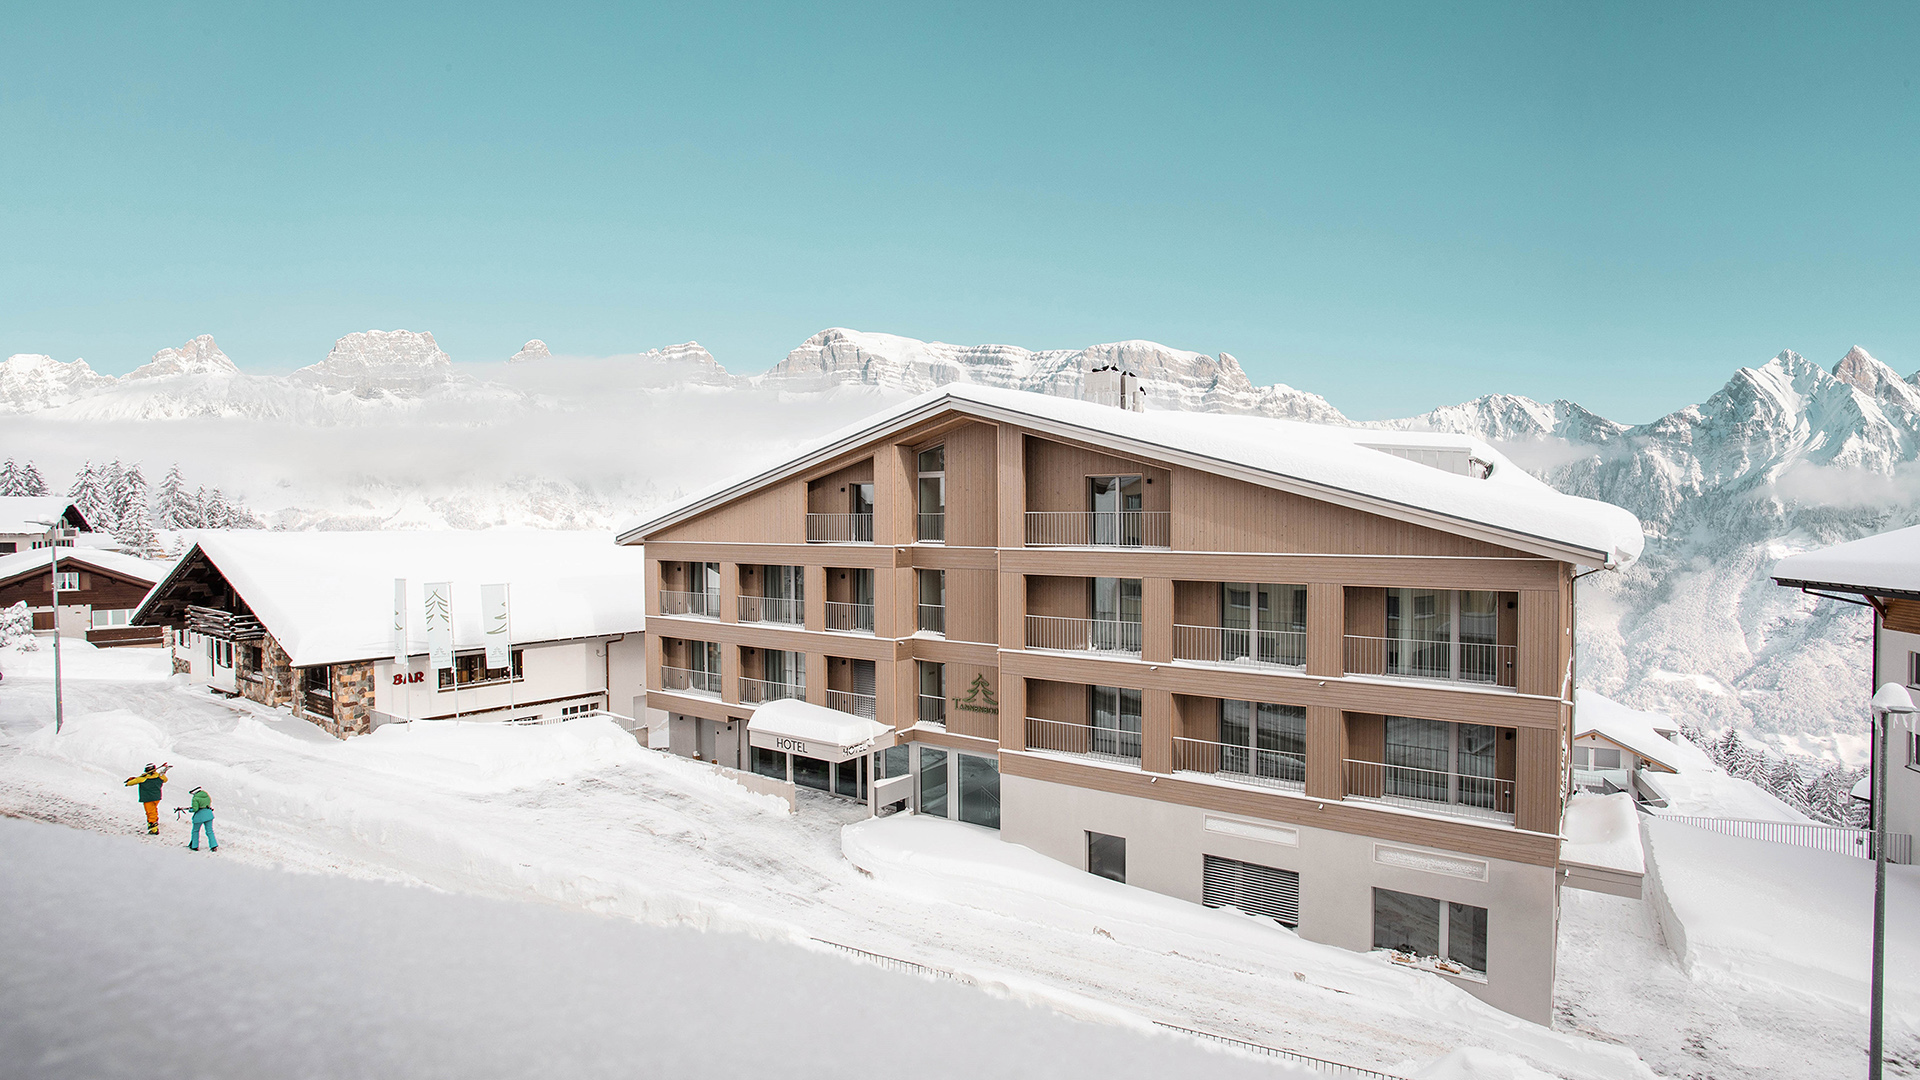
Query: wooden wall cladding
{"x": 1216, "y": 513}
{"x": 1065, "y": 702}
{"x": 828, "y": 494}
{"x": 973, "y": 605}
{"x": 775, "y": 515}
{"x": 1059, "y": 597}
{"x": 972, "y": 486}
{"x": 1903, "y": 616}
{"x": 1057, "y": 477}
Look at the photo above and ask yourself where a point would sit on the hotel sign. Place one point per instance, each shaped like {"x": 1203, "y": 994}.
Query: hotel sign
{"x": 979, "y": 698}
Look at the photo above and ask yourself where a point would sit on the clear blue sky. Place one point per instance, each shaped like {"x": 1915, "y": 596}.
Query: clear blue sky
{"x": 1397, "y": 207}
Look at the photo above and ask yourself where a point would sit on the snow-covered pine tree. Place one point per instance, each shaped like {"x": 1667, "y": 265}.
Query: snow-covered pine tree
{"x": 32, "y": 482}
{"x": 16, "y": 627}
{"x": 217, "y": 513}
{"x": 135, "y": 532}
{"x": 93, "y": 503}
{"x": 172, "y": 506}
{"x": 132, "y": 486}
{"x": 108, "y": 482}
{"x": 1784, "y": 780}
{"x": 10, "y": 479}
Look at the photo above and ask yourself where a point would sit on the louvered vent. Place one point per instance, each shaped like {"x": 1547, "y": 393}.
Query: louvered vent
{"x": 1254, "y": 889}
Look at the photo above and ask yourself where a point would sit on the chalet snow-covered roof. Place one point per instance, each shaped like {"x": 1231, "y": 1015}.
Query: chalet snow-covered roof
{"x": 327, "y": 597}
{"x": 29, "y": 513}
{"x": 140, "y": 571}
{"x": 1335, "y": 464}
{"x": 1629, "y": 729}
{"x": 1883, "y": 565}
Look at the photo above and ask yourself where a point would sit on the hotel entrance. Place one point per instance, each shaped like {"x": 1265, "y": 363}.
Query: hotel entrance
{"x": 816, "y": 747}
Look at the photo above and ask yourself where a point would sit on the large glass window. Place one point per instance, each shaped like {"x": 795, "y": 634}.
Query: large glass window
{"x": 769, "y": 763}
{"x": 933, "y": 494}
{"x": 1107, "y": 856}
{"x": 1441, "y": 762}
{"x": 472, "y": 668}
{"x": 849, "y": 778}
{"x": 1115, "y": 711}
{"x": 1262, "y": 739}
{"x": 1116, "y": 502}
{"x": 1115, "y": 603}
{"x": 933, "y": 781}
{"x": 810, "y": 772}
{"x": 933, "y": 600}
{"x": 1263, "y": 622}
{"x": 894, "y": 762}
{"x": 1444, "y": 634}
{"x": 1425, "y": 927}
{"x": 860, "y": 497}
{"x": 933, "y": 692}
{"x": 979, "y": 790}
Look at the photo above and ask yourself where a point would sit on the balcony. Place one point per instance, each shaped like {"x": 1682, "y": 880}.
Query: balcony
{"x": 933, "y": 709}
{"x": 850, "y": 618}
{"x": 773, "y": 609}
{"x": 1106, "y": 636}
{"x": 1241, "y": 764}
{"x": 1117, "y": 745}
{"x": 1098, "y": 528}
{"x": 1431, "y": 658}
{"x": 932, "y": 528}
{"x": 688, "y": 681}
{"x": 849, "y": 702}
{"x": 1226, "y": 645}
{"x": 933, "y": 618}
{"x": 761, "y": 691}
{"x": 839, "y": 528}
{"x": 705, "y": 605}
{"x": 1482, "y": 798}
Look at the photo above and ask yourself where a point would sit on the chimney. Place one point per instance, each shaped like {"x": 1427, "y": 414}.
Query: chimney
{"x": 1109, "y": 385}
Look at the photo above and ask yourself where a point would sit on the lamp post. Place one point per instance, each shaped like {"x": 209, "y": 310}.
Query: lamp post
{"x": 1890, "y": 700}
{"x": 55, "y": 533}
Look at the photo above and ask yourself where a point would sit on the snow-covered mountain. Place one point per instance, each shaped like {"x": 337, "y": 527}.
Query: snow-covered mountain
{"x": 388, "y": 431}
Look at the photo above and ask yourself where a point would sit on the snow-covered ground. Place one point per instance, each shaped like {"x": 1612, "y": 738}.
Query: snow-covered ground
{"x": 578, "y": 815}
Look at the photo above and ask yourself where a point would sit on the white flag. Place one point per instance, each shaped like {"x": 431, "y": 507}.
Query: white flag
{"x": 493, "y": 625}
{"x": 400, "y": 652}
{"x": 439, "y": 623}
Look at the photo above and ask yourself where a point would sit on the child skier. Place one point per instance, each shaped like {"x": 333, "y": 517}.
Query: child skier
{"x": 202, "y": 819}
{"x": 150, "y": 783}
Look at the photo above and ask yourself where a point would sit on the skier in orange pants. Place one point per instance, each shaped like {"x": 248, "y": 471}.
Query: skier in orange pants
{"x": 150, "y": 783}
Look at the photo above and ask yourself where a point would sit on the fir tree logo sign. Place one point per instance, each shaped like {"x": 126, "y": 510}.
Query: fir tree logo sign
{"x": 979, "y": 698}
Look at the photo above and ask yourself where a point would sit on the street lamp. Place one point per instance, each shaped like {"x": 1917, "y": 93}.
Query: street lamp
{"x": 1891, "y": 699}
{"x": 55, "y": 534}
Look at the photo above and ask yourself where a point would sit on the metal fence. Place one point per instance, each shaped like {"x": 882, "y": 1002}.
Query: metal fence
{"x": 853, "y": 618}
{"x": 839, "y": 528}
{"x": 1835, "y": 838}
{"x": 1097, "y": 528}
{"x": 1063, "y": 634}
{"x": 1431, "y": 658}
{"x": 676, "y": 602}
{"x": 1226, "y": 645}
{"x": 773, "y": 609}
{"x": 1243, "y": 764}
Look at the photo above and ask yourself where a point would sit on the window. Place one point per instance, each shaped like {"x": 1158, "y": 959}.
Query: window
{"x": 933, "y": 781}
{"x": 471, "y": 669}
{"x": 933, "y": 600}
{"x": 8, "y": 547}
{"x": 849, "y": 778}
{"x": 810, "y": 772}
{"x": 769, "y": 763}
{"x": 893, "y": 762}
{"x": 783, "y": 595}
{"x": 1115, "y": 603}
{"x": 704, "y": 657}
{"x": 1107, "y": 856}
{"x": 1115, "y": 711}
{"x": 111, "y": 617}
{"x": 1424, "y": 927}
{"x": 577, "y": 710}
{"x": 933, "y": 495}
{"x": 1267, "y": 623}
{"x": 1266, "y": 891}
{"x": 1259, "y": 739}
{"x": 784, "y": 668}
{"x": 1440, "y": 761}
{"x": 861, "y": 501}
{"x": 979, "y": 790}
{"x": 1606, "y": 757}
{"x": 1116, "y": 503}
{"x": 933, "y": 692}
{"x": 1913, "y": 670}
{"x": 1445, "y": 634}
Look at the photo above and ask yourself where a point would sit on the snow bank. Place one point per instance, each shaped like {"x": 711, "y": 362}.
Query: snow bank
{"x": 480, "y": 757}
{"x": 115, "y": 741}
{"x": 1603, "y": 831}
{"x": 1889, "y": 561}
{"x": 81, "y": 660}
{"x": 1475, "y": 1063}
{"x": 267, "y": 974}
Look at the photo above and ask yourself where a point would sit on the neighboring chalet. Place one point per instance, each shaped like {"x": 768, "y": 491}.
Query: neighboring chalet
{"x": 1623, "y": 750}
{"x": 1880, "y": 573}
{"x": 24, "y": 520}
{"x": 307, "y": 621}
{"x": 1323, "y": 675}
{"x": 100, "y": 610}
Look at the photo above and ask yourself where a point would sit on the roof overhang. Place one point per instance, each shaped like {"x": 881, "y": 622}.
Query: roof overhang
{"x": 808, "y": 462}
{"x": 815, "y": 731}
{"x": 1611, "y": 741}
{"x": 1865, "y": 592}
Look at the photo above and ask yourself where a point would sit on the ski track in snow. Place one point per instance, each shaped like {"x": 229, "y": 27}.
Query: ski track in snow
{"x": 661, "y": 842}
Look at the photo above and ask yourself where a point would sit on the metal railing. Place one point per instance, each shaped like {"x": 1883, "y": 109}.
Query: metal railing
{"x": 1834, "y": 838}
{"x": 773, "y": 609}
{"x": 704, "y": 604}
{"x": 839, "y": 528}
{"x": 847, "y": 701}
{"x": 1227, "y": 645}
{"x": 1431, "y": 658}
{"x": 1241, "y": 764}
{"x": 1061, "y": 737}
{"x": 1098, "y": 528}
{"x": 1485, "y": 798}
{"x": 932, "y": 527}
{"x": 758, "y": 691}
{"x": 852, "y": 618}
{"x": 933, "y": 618}
{"x": 687, "y": 680}
{"x": 933, "y": 709}
{"x": 1083, "y": 635}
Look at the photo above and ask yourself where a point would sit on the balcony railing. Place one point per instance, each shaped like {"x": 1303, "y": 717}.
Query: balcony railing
{"x": 933, "y": 709}
{"x": 1241, "y": 764}
{"x": 933, "y": 618}
{"x": 703, "y": 604}
{"x": 773, "y": 609}
{"x": 689, "y": 681}
{"x": 759, "y": 691}
{"x": 1086, "y": 740}
{"x": 1098, "y": 528}
{"x": 851, "y": 618}
{"x": 1226, "y": 645}
{"x": 839, "y": 528}
{"x": 1083, "y": 635}
{"x": 849, "y": 702}
{"x": 932, "y": 527}
{"x": 1431, "y": 658}
{"x": 1483, "y": 797}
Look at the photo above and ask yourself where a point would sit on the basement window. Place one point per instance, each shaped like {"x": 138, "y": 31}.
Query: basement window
{"x": 471, "y": 670}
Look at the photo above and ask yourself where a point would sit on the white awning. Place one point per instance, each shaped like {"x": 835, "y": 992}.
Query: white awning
{"x": 815, "y": 731}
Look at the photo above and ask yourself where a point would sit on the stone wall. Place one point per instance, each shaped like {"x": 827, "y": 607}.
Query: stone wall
{"x": 352, "y": 699}
{"x": 274, "y": 687}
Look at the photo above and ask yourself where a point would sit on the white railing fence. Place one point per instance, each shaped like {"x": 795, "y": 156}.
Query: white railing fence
{"x": 689, "y": 680}
{"x": 1243, "y": 764}
{"x": 1098, "y": 528}
{"x": 933, "y": 618}
{"x": 847, "y": 701}
{"x": 773, "y": 609}
{"x": 932, "y": 527}
{"x": 933, "y": 709}
{"x": 1484, "y": 797}
{"x": 1061, "y": 737}
{"x": 1083, "y": 635}
{"x": 705, "y": 604}
{"x": 1227, "y": 645}
{"x": 839, "y": 528}
{"x": 853, "y": 618}
{"x": 758, "y": 691}
{"x": 1834, "y": 838}
{"x": 1431, "y": 658}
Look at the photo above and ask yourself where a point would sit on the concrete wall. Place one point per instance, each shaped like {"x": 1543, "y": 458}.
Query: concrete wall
{"x": 1895, "y": 664}
{"x": 554, "y": 675}
{"x": 1166, "y": 845}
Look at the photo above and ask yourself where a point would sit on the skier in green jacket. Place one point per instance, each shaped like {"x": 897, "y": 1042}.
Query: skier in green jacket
{"x": 151, "y": 781}
{"x": 202, "y": 819}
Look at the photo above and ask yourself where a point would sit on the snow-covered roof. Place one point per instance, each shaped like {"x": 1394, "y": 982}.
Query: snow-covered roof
{"x": 144, "y": 571}
{"x": 1334, "y": 464}
{"x": 1603, "y": 831}
{"x": 818, "y": 731}
{"x": 1887, "y": 564}
{"x": 30, "y": 513}
{"x": 1630, "y": 729}
{"x": 327, "y": 597}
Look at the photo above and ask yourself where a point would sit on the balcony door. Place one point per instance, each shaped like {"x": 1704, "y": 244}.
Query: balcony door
{"x": 1115, "y": 604}
{"x": 1115, "y": 711}
{"x": 932, "y": 523}
{"x": 1267, "y": 623}
{"x": 1443, "y": 634}
{"x": 1262, "y": 739}
{"x": 1116, "y": 502}
{"x": 1438, "y": 761}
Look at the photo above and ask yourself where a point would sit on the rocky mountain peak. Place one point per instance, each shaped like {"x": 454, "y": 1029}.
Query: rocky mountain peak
{"x": 395, "y": 361}
{"x": 1876, "y": 380}
{"x": 197, "y": 357}
{"x": 37, "y": 381}
{"x": 532, "y": 350}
